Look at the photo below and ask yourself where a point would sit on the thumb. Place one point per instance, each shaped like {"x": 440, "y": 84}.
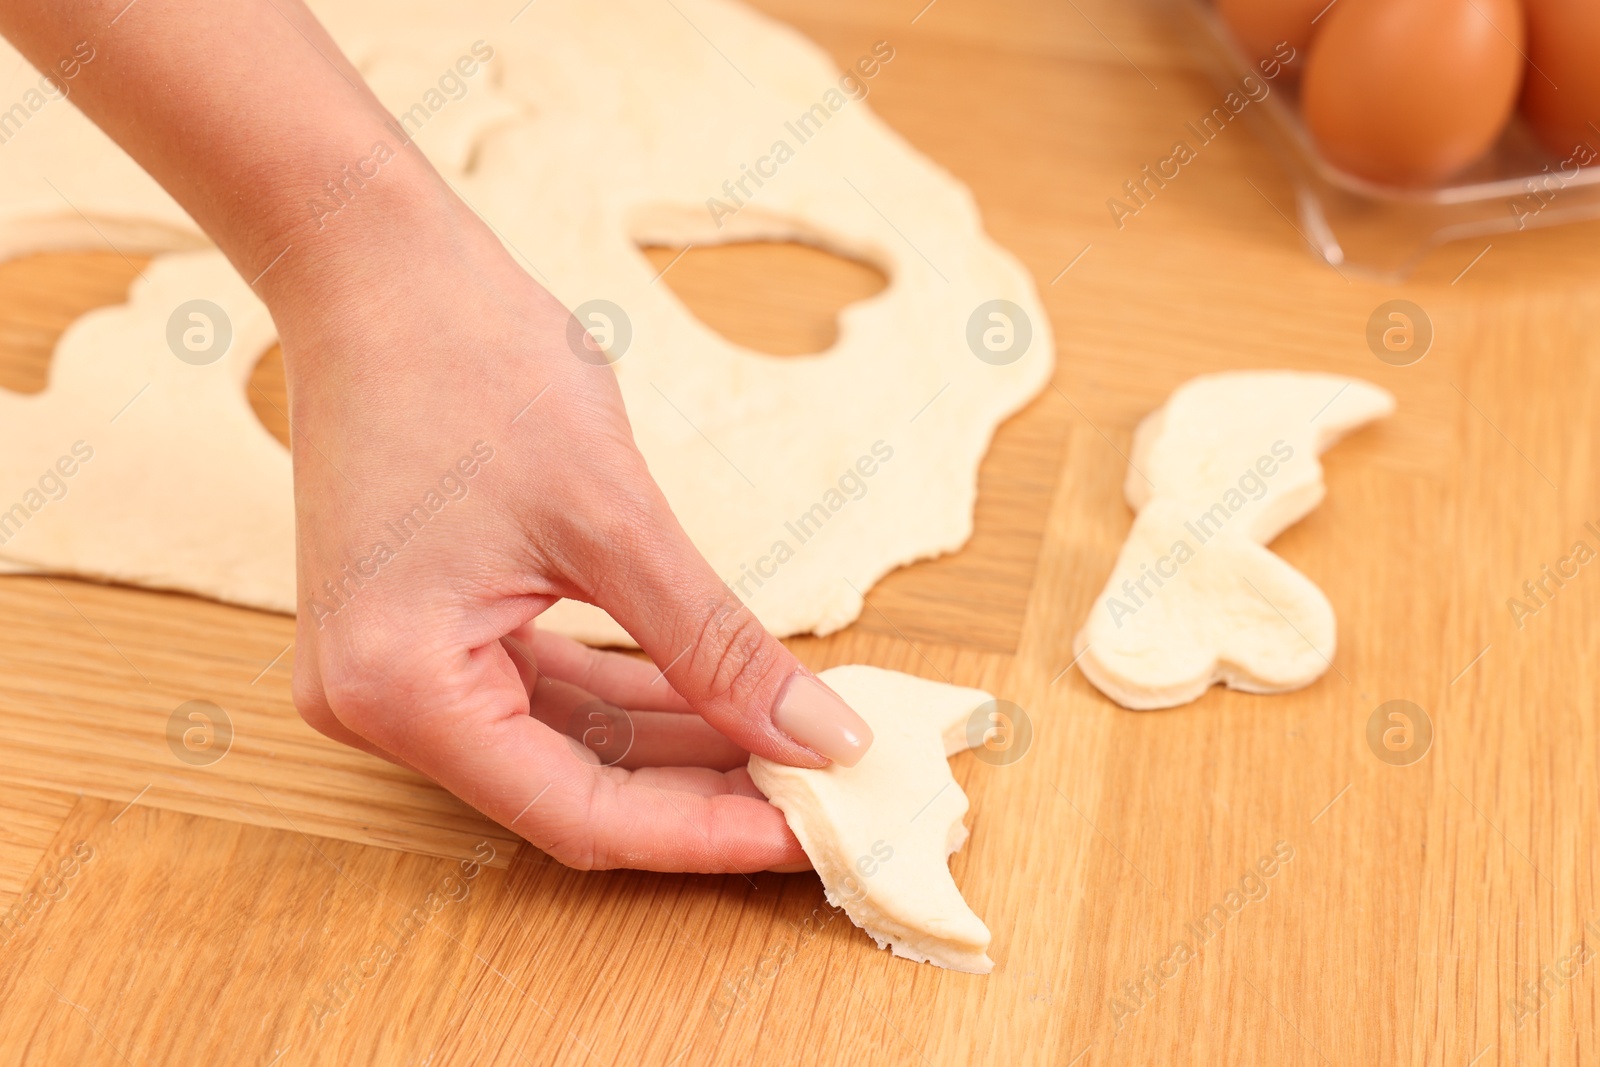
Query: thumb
{"x": 718, "y": 655}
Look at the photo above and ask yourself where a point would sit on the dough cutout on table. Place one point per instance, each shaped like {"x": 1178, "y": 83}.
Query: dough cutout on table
{"x": 880, "y": 833}
{"x": 592, "y": 129}
{"x": 1194, "y": 598}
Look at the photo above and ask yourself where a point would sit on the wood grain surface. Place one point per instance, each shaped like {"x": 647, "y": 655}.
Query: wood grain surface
{"x": 294, "y": 902}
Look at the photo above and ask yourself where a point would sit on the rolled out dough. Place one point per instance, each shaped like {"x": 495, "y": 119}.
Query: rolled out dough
{"x": 185, "y": 489}
{"x": 1194, "y": 598}
{"x": 593, "y": 128}
{"x": 880, "y": 833}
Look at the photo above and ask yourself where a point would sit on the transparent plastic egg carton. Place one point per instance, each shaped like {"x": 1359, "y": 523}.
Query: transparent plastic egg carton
{"x": 1360, "y": 226}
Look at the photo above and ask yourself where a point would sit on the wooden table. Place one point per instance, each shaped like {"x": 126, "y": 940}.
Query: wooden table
{"x": 232, "y": 912}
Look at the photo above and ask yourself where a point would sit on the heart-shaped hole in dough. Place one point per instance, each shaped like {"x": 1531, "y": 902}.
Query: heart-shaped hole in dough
{"x": 268, "y": 393}
{"x": 778, "y": 297}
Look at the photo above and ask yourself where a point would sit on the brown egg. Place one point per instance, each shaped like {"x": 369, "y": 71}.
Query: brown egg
{"x": 1273, "y": 30}
{"x": 1561, "y": 89}
{"x": 1408, "y": 92}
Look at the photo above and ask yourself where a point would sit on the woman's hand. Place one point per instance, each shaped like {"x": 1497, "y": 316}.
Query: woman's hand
{"x": 457, "y": 470}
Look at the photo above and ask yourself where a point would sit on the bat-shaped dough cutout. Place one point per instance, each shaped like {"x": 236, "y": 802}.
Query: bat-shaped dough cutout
{"x": 1195, "y": 599}
{"x": 881, "y": 833}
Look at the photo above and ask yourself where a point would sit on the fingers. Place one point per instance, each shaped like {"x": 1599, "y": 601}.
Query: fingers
{"x": 312, "y": 705}
{"x": 629, "y": 739}
{"x": 716, "y": 653}
{"x": 617, "y": 679}
{"x": 671, "y": 739}
{"x": 697, "y": 780}
{"x": 463, "y": 720}
{"x": 649, "y": 826}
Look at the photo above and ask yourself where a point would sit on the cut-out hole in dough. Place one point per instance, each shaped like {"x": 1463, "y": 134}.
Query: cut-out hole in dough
{"x": 778, "y": 297}
{"x": 743, "y": 445}
{"x": 269, "y": 394}
{"x": 42, "y": 295}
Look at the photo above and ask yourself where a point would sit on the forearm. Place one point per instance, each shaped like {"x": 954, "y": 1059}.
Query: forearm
{"x": 245, "y": 111}
{"x": 410, "y": 335}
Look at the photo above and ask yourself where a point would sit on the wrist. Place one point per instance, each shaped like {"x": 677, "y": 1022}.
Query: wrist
{"x": 381, "y": 216}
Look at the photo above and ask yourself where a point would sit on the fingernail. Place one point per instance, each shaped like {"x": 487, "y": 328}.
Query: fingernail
{"x": 813, "y": 715}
